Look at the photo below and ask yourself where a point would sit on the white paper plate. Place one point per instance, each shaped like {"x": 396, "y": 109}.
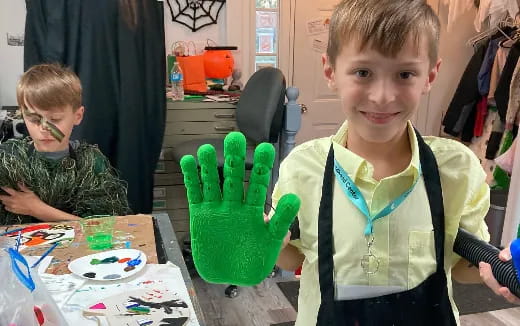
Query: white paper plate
{"x": 92, "y": 266}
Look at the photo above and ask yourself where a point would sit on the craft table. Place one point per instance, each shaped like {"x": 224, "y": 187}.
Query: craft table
{"x": 153, "y": 235}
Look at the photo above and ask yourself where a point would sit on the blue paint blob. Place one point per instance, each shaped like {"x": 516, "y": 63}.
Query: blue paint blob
{"x": 135, "y": 261}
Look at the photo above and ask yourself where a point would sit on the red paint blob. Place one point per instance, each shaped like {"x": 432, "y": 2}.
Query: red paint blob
{"x": 124, "y": 260}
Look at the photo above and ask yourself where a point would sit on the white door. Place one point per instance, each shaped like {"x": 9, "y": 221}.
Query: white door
{"x": 323, "y": 114}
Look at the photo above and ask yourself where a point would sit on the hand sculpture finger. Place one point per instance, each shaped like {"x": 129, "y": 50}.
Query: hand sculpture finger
{"x": 286, "y": 211}
{"x": 260, "y": 175}
{"x": 209, "y": 173}
{"x": 191, "y": 179}
{"x": 234, "y": 166}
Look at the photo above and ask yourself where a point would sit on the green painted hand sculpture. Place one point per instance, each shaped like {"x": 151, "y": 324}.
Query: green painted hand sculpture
{"x": 230, "y": 241}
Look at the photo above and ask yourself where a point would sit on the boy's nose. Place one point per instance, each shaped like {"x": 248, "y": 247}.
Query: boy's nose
{"x": 382, "y": 92}
{"x": 43, "y": 129}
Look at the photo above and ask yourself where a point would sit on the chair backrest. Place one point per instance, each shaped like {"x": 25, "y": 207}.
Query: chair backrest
{"x": 260, "y": 108}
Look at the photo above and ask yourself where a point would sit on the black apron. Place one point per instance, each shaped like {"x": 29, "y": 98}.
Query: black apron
{"x": 426, "y": 304}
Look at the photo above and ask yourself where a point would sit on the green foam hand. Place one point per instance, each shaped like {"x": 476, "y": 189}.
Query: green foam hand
{"x": 231, "y": 243}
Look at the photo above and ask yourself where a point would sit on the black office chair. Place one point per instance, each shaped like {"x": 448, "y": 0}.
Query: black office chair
{"x": 260, "y": 117}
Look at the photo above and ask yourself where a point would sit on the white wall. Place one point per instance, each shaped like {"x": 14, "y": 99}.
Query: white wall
{"x": 12, "y": 20}
{"x": 177, "y": 32}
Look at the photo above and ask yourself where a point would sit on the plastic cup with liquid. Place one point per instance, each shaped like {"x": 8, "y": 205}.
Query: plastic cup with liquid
{"x": 98, "y": 231}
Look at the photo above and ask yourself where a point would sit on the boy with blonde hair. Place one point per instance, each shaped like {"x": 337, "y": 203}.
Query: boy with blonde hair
{"x": 380, "y": 204}
{"x": 378, "y": 248}
{"x": 46, "y": 176}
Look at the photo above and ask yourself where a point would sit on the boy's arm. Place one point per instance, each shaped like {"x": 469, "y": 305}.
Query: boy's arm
{"x": 26, "y": 202}
{"x": 48, "y": 213}
{"x": 465, "y": 272}
{"x": 472, "y": 220}
{"x": 290, "y": 257}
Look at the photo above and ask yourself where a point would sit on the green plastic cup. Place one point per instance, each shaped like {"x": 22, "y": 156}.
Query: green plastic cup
{"x": 98, "y": 231}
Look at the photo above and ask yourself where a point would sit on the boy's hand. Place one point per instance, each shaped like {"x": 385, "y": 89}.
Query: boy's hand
{"x": 231, "y": 242}
{"x": 487, "y": 276}
{"x": 23, "y": 202}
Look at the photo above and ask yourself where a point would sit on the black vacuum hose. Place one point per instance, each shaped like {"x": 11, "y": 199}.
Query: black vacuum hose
{"x": 476, "y": 250}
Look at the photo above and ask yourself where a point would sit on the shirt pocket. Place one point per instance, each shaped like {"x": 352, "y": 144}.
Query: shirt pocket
{"x": 421, "y": 257}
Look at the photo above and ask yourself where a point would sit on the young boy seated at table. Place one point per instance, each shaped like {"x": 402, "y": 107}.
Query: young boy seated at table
{"x": 47, "y": 176}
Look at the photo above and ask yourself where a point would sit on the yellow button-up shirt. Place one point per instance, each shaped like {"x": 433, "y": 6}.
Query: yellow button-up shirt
{"x": 404, "y": 242}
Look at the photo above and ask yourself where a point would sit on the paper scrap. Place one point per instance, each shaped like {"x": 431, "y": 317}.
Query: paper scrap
{"x": 318, "y": 26}
{"x": 319, "y": 44}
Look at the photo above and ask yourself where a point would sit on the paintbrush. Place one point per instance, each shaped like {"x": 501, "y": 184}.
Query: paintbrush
{"x": 45, "y": 254}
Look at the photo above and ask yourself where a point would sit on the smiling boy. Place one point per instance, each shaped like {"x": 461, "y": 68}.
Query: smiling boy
{"x": 46, "y": 176}
{"x": 381, "y": 205}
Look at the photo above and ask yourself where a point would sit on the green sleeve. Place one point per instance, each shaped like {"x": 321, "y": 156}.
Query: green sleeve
{"x": 102, "y": 193}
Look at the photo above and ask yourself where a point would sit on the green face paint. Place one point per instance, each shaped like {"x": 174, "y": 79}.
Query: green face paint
{"x": 37, "y": 119}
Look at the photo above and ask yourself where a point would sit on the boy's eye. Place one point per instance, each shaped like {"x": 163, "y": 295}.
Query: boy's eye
{"x": 406, "y": 74}
{"x": 362, "y": 73}
{"x": 33, "y": 119}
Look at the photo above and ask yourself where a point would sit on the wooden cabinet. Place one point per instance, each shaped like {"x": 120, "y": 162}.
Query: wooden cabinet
{"x": 186, "y": 121}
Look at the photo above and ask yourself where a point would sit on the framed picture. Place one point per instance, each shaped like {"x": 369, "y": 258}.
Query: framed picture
{"x": 265, "y": 43}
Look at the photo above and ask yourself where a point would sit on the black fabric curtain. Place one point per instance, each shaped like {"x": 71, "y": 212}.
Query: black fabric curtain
{"x": 117, "y": 49}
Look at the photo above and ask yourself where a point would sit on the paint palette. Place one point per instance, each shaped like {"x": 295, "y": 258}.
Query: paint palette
{"x": 109, "y": 265}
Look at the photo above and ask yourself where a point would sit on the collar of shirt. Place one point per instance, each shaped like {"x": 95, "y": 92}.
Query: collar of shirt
{"x": 359, "y": 168}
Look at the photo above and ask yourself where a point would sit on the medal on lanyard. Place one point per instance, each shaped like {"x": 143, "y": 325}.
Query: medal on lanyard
{"x": 369, "y": 262}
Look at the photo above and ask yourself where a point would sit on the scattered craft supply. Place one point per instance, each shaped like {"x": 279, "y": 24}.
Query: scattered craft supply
{"x": 156, "y": 306}
{"x": 42, "y": 234}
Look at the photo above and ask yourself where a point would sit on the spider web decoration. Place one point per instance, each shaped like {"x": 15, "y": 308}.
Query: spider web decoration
{"x": 195, "y": 14}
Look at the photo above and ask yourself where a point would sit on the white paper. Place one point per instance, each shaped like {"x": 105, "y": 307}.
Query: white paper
{"x": 62, "y": 287}
{"x": 153, "y": 275}
{"x": 319, "y": 44}
{"x": 318, "y": 26}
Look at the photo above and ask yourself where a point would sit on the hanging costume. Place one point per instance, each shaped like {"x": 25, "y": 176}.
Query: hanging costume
{"x": 79, "y": 181}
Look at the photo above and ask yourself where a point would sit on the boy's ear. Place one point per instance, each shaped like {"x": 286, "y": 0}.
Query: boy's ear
{"x": 328, "y": 72}
{"x": 78, "y": 115}
{"x": 432, "y": 75}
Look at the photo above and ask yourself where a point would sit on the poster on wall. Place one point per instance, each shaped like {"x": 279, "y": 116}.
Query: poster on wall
{"x": 318, "y": 26}
{"x": 15, "y": 39}
{"x": 318, "y": 33}
{"x": 266, "y": 43}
